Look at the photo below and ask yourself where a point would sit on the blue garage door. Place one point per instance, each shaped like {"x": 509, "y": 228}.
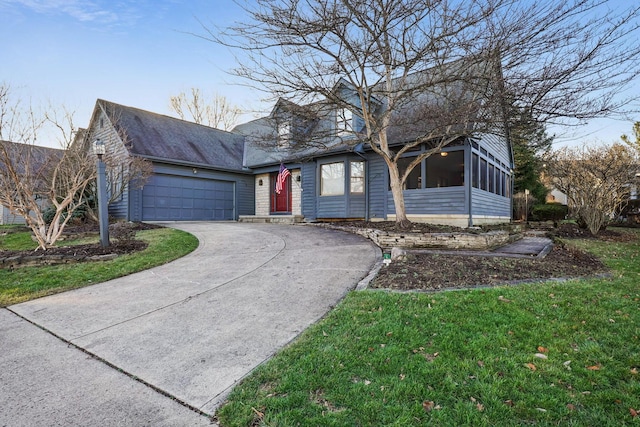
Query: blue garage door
{"x": 177, "y": 198}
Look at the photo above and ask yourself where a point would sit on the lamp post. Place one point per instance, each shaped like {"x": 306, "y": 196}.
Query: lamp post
{"x": 103, "y": 212}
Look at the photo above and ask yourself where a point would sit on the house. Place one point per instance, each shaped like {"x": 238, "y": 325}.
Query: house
{"x": 202, "y": 173}
{"x": 31, "y": 163}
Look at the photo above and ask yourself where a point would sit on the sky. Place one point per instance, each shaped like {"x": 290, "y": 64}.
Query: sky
{"x": 140, "y": 53}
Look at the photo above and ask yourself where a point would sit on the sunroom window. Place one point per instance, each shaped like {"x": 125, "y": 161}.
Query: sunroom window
{"x": 445, "y": 169}
{"x": 414, "y": 180}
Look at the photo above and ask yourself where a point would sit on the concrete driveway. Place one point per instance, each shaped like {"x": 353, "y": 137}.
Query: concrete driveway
{"x": 165, "y": 346}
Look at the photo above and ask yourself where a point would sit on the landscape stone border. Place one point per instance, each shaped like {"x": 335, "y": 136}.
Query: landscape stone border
{"x": 472, "y": 241}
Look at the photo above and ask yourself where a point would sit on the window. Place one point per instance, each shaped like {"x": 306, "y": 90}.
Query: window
{"x": 475, "y": 160}
{"x": 492, "y": 178}
{"x": 483, "y": 174}
{"x": 357, "y": 177}
{"x": 445, "y": 169}
{"x": 414, "y": 180}
{"x": 344, "y": 120}
{"x": 284, "y": 133}
{"x": 332, "y": 179}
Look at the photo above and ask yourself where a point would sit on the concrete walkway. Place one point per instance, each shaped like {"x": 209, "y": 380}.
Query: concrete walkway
{"x": 163, "y": 347}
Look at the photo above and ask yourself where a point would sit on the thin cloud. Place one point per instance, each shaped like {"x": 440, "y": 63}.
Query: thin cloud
{"x": 81, "y": 10}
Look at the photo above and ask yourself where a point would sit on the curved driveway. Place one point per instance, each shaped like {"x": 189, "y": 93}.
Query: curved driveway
{"x": 194, "y": 327}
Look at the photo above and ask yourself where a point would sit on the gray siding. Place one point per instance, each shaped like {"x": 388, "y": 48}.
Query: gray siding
{"x": 497, "y": 146}
{"x": 309, "y": 192}
{"x": 119, "y": 209}
{"x": 489, "y": 204}
{"x": 332, "y": 207}
{"x": 356, "y": 206}
{"x": 378, "y": 180}
{"x": 432, "y": 201}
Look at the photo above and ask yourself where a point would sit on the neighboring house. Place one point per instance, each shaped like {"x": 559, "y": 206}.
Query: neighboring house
{"x": 556, "y": 196}
{"x": 202, "y": 173}
{"x": 34, "y": 162}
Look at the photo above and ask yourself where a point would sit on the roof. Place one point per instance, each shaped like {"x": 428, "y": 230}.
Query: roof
{"x": 39, "y": 158}
{"x": 158, "y": 137}
{"x": 452, "y": 98}
{"x": 261, "y": 148}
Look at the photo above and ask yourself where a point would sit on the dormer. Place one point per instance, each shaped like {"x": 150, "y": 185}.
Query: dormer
{"x": 349, "y": 108}
{"x": 292, "y": 123}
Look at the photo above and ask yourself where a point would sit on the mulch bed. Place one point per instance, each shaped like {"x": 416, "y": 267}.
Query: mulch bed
{"x": 439, "y": 271}
{"x": 572, "y": 231}
{"x": 434, "y": 272}
{"x": 119, "y": 247}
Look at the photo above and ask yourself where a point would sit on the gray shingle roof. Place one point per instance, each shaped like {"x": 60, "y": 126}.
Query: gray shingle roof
{"x": 261, "y": 147}
{"x": 162, "y": 137}
{"x": 40, "y": 159}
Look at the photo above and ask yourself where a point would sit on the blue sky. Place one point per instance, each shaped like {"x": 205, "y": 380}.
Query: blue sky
{"x": 137, "y": 53}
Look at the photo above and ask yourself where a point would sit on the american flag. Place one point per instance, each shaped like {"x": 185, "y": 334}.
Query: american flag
{"x": 282, "y": 178}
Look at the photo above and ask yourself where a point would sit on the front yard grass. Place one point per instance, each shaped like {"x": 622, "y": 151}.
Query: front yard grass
{"x": 23, "y": 284}
{"x": 557, "y": 353}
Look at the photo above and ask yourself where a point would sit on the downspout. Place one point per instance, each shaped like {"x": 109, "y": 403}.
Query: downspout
{"x": 359, "y": 150}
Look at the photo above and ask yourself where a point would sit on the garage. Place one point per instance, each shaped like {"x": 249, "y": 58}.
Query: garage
{"x": 179, "y": 198}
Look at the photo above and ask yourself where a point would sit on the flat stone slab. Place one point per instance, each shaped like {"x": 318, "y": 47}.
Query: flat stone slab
{"x": 527, "y": 246}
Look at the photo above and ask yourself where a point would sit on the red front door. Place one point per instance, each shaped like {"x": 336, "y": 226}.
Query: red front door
{"x": 280, "y": 203}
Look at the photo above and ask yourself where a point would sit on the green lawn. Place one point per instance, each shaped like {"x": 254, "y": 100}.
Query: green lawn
{"x": 27, "y": 283}
{"x": 549, "y": 354}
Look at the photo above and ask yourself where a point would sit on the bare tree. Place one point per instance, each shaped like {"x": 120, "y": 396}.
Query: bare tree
{"x": 31, "y": 175}
{"x": 215, "y": 112}
{"x": 463, "y": 63}
{"x": 596, "y": 180}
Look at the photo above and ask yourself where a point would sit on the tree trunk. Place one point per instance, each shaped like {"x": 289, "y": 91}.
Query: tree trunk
{"x": 402, "y": 222}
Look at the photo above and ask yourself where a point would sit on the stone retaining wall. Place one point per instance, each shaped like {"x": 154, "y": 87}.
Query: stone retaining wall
{"x": 481, "y": 241}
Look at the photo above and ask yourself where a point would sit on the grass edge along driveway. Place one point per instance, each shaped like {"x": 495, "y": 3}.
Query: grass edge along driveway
{"x": 557, "y": 353}
{"x": 23, "y": 284}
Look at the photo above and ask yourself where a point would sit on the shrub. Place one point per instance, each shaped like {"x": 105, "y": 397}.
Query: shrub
{"x": 549, "y": 212}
